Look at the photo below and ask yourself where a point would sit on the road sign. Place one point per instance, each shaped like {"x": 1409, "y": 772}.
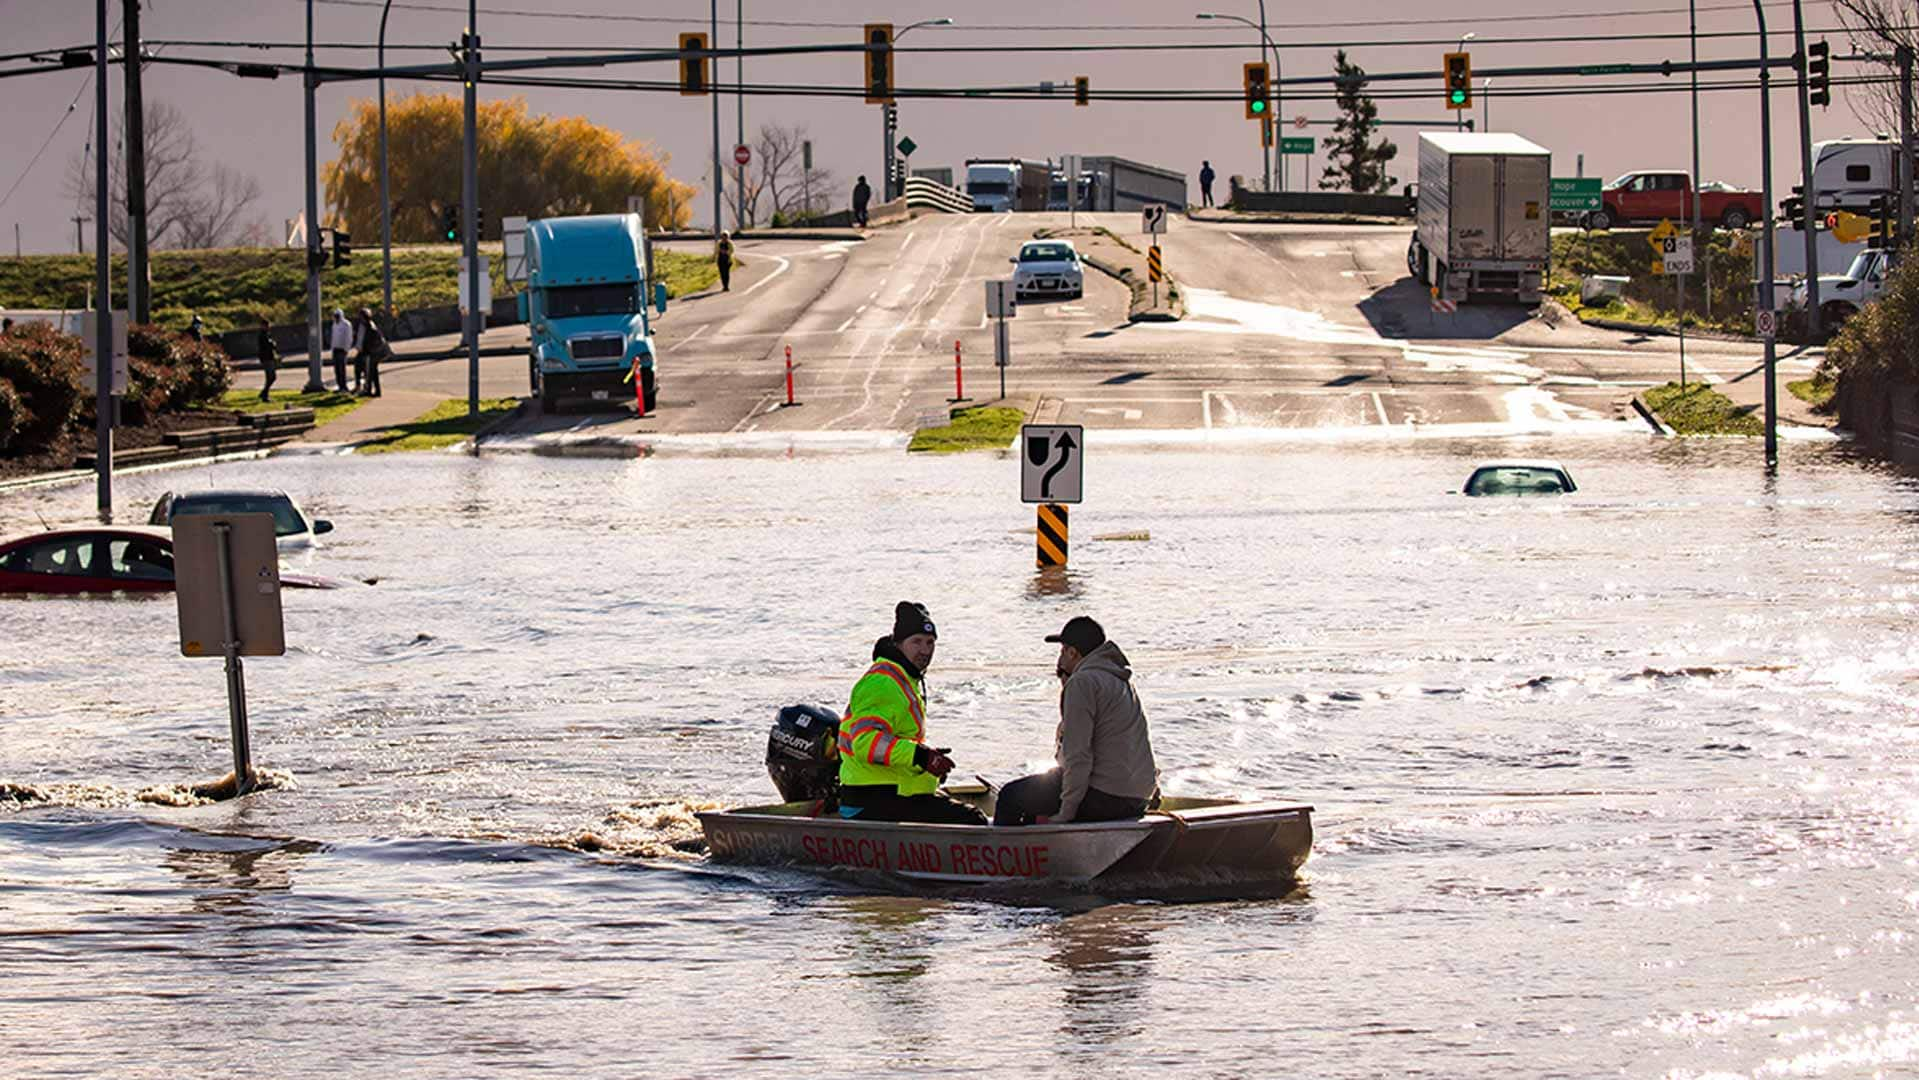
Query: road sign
{"x": 513, "y": 246}
{"x": 742, "y": 154}
{"x": 907, "y": 146}
{"x": 1154, "y": 272}
{"x": 1297, "y": 144}
{"x": 1574, "y": 193}
{"x": 806, "y": 154}
{"x": 1300, "y": 121}
{"x": 1052, "y": 463}
{"x": 1605, "y": 69}
{"x": 250, "y": 567}
{"x": 1765, "y": 322}
{"x": 1676, "y": 255}
{"x": 90, "y": 337}
{"x": 1152, "y": 219}
{"x": 486, "y": 284}
{"x": 1001, "y": 301}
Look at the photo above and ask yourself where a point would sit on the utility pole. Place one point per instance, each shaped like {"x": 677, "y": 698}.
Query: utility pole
{"x": 1766, "y": 263}
{"x": 1805, "y": 175}
{"x": 386, "y": 199}
{"x": 739, "y": 99}
{"x": 314, "y": 254}
{"x": 138, "y": 303}
{"x": 102, "y": 284}
{"x": 1692, "y": 14}
{"x": 1905, "y": 145}
{"x": 719, "y": 170}
{"x": 470, "y": 205}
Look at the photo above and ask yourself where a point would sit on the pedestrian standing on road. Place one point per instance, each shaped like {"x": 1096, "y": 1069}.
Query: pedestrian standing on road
{"x": 1206, "y": 183}
{"x": 1105, "y": 769}
{"x": 862, "y": 194}
{"x": 342, "y": 341}
{"x": 372, "y": 351}
{"x": 724, "y": 257}
{"x": 269, "y": 357}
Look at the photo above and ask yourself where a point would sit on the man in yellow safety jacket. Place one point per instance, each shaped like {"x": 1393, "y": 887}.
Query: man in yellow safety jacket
{"x": 887, "y": 772}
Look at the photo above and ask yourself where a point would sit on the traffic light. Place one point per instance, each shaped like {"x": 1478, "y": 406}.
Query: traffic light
{"x": 1848, "y": 228}
{"x": 1879, "y": 227}
{"x": 479, "y": 224}
{"x": 693, "y": 65}
{"x": 1257, "y": 77}
{"x": 1819, "y": 74}
{"x": 1459, "y": 80}
{"x": 879, "y": 63}
{"x": 342, "y": 248}
{"x": 1082, "y": 90}
{"x": 450, "y": 222}
{"x": 1793, "y": 209}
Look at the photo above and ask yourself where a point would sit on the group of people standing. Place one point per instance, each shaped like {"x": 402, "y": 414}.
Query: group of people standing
{"x": 1103, "y": 771}
{"x": 361, "y": 336}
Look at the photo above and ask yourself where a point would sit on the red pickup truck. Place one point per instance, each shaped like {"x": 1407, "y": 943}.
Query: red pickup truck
{"x": 1650, "y": 196}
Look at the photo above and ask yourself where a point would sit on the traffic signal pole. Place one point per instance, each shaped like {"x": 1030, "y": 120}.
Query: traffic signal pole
{"x": 1805, "y": 177}
{"x": 719, "y": 171}
{"x": 1905, "y": 146}
{"x": 470, "y": 207}
{"x": 1766, "y": 249}
{"x": 314, "y": 255}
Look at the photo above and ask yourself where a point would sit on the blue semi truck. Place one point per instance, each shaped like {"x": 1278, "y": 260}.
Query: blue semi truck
{"x": 585, "y": 308}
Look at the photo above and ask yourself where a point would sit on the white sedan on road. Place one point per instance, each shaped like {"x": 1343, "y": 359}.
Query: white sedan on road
{"x": 1048, "y": 268}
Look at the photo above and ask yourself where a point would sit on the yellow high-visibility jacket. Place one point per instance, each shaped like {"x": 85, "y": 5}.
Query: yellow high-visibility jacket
{"x": 885, "y": 724}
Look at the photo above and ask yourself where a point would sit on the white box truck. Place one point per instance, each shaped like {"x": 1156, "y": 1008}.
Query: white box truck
{"x": 1483, "y": 224}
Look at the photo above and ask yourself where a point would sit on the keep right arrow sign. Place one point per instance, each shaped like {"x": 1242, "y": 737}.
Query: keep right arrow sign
{"x": 1052, "y": 463}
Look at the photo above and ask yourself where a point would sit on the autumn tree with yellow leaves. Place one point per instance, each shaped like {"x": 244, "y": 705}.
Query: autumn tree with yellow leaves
{"x": 536, "y": 166}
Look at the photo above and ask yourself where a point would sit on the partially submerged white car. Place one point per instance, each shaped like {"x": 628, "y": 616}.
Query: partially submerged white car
{"x": 1048, "y": 269}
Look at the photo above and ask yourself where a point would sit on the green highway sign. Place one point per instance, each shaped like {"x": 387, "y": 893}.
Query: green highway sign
{"x": 1605, "y": 69}
{"x": 907, "y": 146}
{"x": 1301, "y": 144}
{"x": 1573, "y": 193}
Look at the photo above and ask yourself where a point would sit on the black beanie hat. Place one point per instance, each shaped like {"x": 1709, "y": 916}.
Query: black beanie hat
{"x": 909, "y": 619}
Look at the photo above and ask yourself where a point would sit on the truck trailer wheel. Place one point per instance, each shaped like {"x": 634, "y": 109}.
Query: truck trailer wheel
{"x": 1416, "y": 261}
{"x": 1735, "y": 218}
{"x": 547, "y": 401}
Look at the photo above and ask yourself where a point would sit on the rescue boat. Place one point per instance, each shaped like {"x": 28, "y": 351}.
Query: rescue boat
{"x": 1181, "y": 837}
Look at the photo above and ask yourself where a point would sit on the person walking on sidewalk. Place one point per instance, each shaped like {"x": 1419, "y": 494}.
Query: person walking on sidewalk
{"x": 269, "y": 357}
{"x": 1206, "y": 175}
{"x": 723, "y": 256}
{"x": 372, "y": 351}
{"x": 862, "y": 194}
{"x": 342, "y": 341}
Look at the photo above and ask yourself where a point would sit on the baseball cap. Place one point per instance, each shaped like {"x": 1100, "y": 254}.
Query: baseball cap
{"x": 1081, "y": 633}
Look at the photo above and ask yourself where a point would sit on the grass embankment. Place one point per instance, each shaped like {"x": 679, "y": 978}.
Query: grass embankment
{"x": 983, "y": 428}
{"x": 1816, "y": 391}
{"x": 238, "y": 287}
{"x": 327, "y": 405}
{"x": 1650, "y": 299}
{"x": 1698, "y": 409}
{"x": 446, "y": 424}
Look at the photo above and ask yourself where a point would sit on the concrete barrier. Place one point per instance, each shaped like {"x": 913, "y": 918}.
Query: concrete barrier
{"x": 1319, "y": 202}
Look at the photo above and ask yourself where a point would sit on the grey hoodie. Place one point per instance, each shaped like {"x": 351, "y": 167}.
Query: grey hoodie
{"x": 1102, "y": 741}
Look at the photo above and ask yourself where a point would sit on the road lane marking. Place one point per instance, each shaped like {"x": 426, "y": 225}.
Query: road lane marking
{"x": 907, "y": 243}
{"x": 781, "y": 269}
{"x": 703, "y": 328}
{"x": 1381, "y": 406}
{"x": 849, "y": 319}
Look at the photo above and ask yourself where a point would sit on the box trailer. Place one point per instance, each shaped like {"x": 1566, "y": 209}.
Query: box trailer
{"x": 1482, "y": 222}
{"x": 1129, "y": 185}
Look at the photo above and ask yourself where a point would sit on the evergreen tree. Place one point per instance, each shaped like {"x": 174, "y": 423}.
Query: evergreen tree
{"x": 1357, "y": 163}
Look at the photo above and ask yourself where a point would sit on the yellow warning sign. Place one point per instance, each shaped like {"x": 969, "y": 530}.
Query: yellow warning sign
{"x": 1154, "y": 272}
{"x": 1052, "y": 534}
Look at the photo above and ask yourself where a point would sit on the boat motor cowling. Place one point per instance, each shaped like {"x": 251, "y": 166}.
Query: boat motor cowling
{"x": 802, "y": 753}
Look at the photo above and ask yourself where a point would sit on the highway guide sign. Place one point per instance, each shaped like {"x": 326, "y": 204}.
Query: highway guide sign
{"x": 1302, "y": 144}
{"x": 1573, "y": 193}
{"x": 1152, "y": 218}
{"x": 1052, "y": 463}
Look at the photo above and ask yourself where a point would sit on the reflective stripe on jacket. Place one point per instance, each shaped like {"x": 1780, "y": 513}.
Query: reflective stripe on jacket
{"x": 885, "y": 723}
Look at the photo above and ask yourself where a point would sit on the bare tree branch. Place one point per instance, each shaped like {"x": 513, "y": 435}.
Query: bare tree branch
{"x": 212, "y": 217}
{"x": 186, "y": 206}
{"x": 1878, "y": 26}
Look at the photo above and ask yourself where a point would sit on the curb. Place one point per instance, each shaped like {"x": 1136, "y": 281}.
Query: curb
{"x": 1214, "y": 216}
{"x": 1651, "y": 418}
{"x": 1664, "y": 331}
{"x": 473, "y": 442}
{"x": 766, "y": 234}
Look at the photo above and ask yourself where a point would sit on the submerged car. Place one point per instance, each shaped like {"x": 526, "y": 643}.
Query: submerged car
{"x": 1519, "y": 478}
{"x": 104, "y": 560}
{"x": 1048, "y": 268}
{"x": 291, "y": 526}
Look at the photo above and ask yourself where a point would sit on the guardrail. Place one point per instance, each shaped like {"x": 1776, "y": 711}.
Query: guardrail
{"x": 934, "y": 195}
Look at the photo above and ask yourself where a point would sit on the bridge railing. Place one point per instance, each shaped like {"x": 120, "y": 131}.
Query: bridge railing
{"x": 933, "y": 195}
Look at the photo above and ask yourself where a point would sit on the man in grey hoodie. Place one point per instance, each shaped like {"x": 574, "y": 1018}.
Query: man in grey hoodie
{"x": 1105, "y": 758}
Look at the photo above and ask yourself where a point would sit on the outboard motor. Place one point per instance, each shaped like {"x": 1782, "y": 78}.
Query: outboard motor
{"x": 803, "y": 754}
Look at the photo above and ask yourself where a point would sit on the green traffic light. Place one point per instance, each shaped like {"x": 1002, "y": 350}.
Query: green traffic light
{"x": 1259, "y": 106}
{"x": 1459, "y": 97}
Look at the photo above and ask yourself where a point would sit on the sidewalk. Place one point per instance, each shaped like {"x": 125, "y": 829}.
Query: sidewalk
{"x": 391, "y": 409}
{"x": 1747, "y": 389}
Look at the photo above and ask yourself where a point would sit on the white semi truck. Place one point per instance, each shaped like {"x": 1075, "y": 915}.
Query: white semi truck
{"x": 1483, "y": 228}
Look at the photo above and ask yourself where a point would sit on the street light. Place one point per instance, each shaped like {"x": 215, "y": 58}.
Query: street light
{"x": 886, "y": 132}
{"x": 1459, "y": 118}
{"x": 1279, "y": 99}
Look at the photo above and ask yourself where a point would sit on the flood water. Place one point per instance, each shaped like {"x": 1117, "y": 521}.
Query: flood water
{"x": 1625, "y": 783}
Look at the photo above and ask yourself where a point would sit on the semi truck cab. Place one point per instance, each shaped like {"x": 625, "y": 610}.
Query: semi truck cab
{"x": 585, "y": 307}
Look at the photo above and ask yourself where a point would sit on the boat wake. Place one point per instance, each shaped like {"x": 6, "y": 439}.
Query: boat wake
{"x": 97, "y": 796}
{"x": 654, "y": 829}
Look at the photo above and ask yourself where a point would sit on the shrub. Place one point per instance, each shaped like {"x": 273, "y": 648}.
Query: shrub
{"x": 46, "y": 372}
{"x": 1880, "y": 340}
{"x": 168, "y": 371}
{"x": 12, "y": 413}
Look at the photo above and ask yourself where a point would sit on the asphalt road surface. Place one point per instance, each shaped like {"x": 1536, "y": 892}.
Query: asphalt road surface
{"x": 1291, "y": 331}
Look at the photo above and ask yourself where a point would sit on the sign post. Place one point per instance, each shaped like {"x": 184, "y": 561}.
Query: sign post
{"x": 1152, "y": 221}
{"x": 1052, "y": 474}
{"x": 1002, "y": 303}
{"x": 1675, "y": 253}
{"x": 227, "y": 575}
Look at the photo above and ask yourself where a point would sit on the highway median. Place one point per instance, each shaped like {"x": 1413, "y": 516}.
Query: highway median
{"x": 1105, "y": 252}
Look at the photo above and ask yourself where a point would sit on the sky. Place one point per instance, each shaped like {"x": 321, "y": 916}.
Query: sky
{"x": 256, "y": 125}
